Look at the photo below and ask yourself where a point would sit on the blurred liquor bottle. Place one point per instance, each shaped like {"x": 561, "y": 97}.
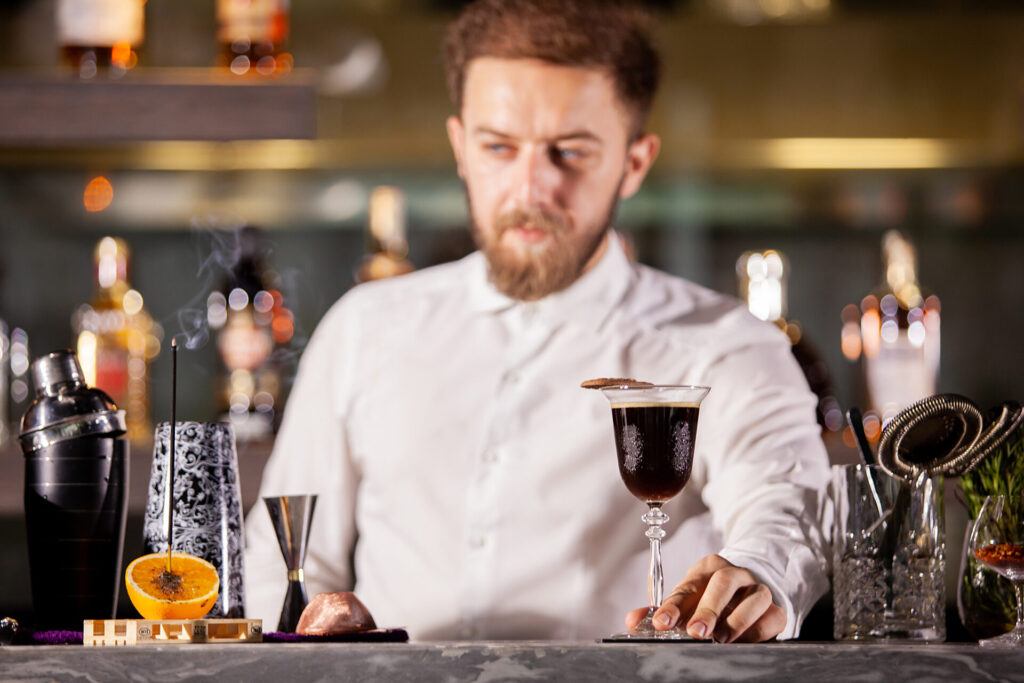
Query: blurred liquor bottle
{"x": 100, "y": 35}
{"x": 19, "y": 395}
{"x": 895, "y": 334}
{"x": 15, "y": 394}
{"x": 386, "y": 232}
{"x": 251, "y": 321}
{"x": 117, "y": 338}
{"x": 6, "y": 419}
{"x": 763, "y": 282}
{"x": 253, "y": 35}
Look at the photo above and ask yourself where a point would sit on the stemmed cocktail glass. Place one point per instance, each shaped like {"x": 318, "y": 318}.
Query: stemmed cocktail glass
{"x": 997, "y": 541}
{"x": 655, "y": 428}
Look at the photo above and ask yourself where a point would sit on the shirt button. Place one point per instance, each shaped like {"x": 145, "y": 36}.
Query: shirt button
{"x": 512, "y": 377}
{"x": 491, "y": 456}
{"x": 477, "y": 542}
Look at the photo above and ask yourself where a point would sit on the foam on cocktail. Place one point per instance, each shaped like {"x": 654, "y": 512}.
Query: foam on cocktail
{"x": 654, "y": 404}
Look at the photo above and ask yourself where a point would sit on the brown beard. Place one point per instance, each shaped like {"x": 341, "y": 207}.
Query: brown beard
{"x": 529, "y": 275}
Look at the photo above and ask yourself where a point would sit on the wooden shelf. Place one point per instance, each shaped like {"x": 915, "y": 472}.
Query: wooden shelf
{"x": 53, "y": 107}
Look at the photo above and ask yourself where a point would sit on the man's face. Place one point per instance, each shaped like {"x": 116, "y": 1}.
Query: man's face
{"x": 545, "y": 154}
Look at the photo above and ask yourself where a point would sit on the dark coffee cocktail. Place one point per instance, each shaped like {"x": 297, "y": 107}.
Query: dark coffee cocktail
{"x": 655, "y": 447}
{"x": 655, "y": 426}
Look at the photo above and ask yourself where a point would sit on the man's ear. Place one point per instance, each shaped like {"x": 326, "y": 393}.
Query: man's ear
{"x": 639, "y": 158}
{"x": 456, "y": 139}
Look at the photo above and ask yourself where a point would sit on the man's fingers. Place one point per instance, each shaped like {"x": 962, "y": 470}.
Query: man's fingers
{"x": 765, "y": 628}
{"x": 718, "y": 600}
{"x": 720, "y": 591}
{"x": 678, "y": 606}
{"x": 747, "y": 607}
{"x": 635, "y": 617}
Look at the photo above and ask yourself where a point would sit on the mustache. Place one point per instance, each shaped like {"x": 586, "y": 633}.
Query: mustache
{"x": 535, "y": 218}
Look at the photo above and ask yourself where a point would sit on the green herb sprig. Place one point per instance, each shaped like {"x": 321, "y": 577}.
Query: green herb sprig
{"x": 1000, "y": 472}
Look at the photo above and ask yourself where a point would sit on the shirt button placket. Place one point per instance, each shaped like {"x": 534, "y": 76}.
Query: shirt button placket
{"x": 482, "y": 502}
{"x": 482, "y": 532}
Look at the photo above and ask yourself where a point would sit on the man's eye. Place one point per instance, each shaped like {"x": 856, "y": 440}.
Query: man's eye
{"x": 498, "y": 148}
{"x": 568, "y": 154}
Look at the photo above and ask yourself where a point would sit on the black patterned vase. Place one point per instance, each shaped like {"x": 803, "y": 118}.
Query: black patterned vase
{"x": 207, "y": 505}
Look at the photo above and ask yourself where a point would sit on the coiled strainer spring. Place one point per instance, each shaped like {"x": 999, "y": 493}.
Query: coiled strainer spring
{"x": 944, "y": 434}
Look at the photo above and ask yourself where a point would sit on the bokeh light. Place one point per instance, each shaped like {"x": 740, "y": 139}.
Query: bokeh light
{"x": 132, "y": 302}
{"x": 98, "y": 195}
{"x": 238, "y": 299}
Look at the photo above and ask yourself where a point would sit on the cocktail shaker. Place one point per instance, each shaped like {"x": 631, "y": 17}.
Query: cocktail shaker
{"x": 76, "y": 494}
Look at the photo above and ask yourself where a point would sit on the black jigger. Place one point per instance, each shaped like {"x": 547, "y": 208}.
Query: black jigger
{"x": 76, "y": 495}
{"x": 291, "y": 517}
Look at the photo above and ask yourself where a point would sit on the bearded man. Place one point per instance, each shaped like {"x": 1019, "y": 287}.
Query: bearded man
{"x": 467, "y": 485}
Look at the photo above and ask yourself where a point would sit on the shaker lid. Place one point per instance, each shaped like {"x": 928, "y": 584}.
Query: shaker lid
{"x": 65, "y": 408}
{"x": 55, "y": 371}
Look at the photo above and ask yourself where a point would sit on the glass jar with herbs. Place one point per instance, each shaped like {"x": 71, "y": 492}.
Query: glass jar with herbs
{"x": 985, "y": 600}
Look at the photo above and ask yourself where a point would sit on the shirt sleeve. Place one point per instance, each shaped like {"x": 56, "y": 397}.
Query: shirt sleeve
{"x": 766, "y": 466}
{"x": 310, "y": 456}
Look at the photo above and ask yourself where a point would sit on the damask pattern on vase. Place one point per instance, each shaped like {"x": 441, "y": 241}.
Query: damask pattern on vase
{"x": 207, "y": 504}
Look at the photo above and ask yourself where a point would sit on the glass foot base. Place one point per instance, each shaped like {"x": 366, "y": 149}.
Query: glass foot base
{"x": 1014, "y": 638}
{"x": 645, "y": 632}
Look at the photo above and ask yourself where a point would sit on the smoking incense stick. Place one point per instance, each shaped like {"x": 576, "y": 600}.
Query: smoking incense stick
{"x": 169, "y": 493}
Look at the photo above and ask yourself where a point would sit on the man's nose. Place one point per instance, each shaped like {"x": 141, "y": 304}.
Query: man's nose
{"x": 537, "y": 177}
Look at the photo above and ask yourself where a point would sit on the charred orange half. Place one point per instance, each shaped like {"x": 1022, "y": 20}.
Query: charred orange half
{"x": 187, "y": 591}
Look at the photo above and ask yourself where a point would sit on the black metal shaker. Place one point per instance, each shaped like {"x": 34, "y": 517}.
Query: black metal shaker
{"x": 76, "y": 495}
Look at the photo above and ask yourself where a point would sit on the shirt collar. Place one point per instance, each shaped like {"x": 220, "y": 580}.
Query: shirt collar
{"x": 587, "y": 301}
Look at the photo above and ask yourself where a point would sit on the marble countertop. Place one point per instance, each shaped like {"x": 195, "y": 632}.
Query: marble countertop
{"x": 486, "y": 662}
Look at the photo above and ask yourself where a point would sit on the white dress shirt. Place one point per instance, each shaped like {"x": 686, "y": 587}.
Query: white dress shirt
{"x": 472, "y": 485}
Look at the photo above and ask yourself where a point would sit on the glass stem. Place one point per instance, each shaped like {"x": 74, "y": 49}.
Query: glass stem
{"x": 1018, "y": 590}
{"x": 655, "y": 518}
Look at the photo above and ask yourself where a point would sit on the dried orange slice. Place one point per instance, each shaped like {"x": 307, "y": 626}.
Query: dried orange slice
{"x": 603, "y": 382}
{"x": 188, "y": 591}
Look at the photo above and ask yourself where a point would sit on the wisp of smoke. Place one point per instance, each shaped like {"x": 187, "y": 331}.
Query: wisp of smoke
{"x": 218, "y": 245}
{"x": 218, "y": 250}
{"x": 195, "y": 331}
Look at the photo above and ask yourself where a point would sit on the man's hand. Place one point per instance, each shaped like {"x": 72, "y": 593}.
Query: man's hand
{"x": 718, "y": 600}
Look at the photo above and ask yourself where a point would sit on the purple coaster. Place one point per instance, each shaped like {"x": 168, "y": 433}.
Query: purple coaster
{"x": 28, "y": 636}
{"x": 380, "y": 635}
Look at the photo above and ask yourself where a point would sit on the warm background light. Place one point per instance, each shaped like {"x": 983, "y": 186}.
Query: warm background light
{"x": 98, "y": 194}
{"x": 848, "y": 153}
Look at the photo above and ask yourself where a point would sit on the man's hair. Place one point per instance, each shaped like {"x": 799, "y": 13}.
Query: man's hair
{"x": 611, "y": 35}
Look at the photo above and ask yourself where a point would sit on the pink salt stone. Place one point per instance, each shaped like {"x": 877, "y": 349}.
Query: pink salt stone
{"x": 329, "y": 614}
